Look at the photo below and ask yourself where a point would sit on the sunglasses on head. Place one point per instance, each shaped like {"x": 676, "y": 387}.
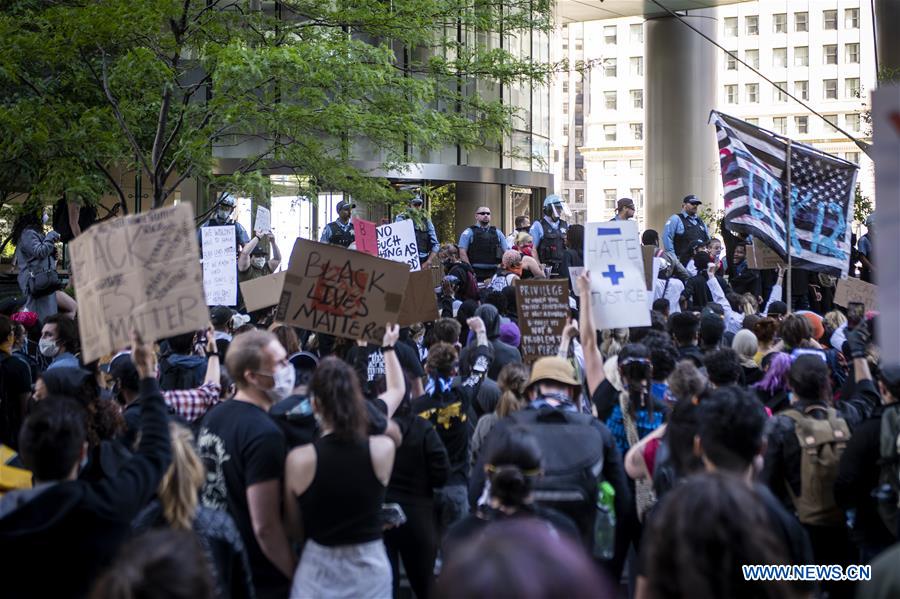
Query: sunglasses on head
{"x": 484, "y": 213}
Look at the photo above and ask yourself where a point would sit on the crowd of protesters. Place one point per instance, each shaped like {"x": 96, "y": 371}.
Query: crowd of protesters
{"x": 256, "y": 459}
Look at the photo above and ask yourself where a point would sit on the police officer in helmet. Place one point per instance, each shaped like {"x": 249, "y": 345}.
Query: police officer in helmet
{"x": 221, "y": 216}
{"x": 549, "y": 235}
{"x": 340, "y": 231}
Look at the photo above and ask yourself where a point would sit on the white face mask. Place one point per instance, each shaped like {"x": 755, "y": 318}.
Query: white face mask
{"x": 48, "y": 347}
{"x": 284, "y": 383}
{"x": 258, "y": 262}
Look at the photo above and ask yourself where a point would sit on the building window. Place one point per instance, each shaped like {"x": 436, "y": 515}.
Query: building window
{"x": 801, "y": 21}
{"x": 731, "y": 27}
{"x": 609, "y": 67}
{"x": 851, "y": 87}
{"x": 751, "y": 57}
{"x": 579, "y": 135}
{"x": 830, "y": 88}
{"x": 830, "y": 119}
{"x": 565, "y": 129}
{"x": 611, "y": 100}
{"x": 851, "y": 18}
{"x": 731, "y": 63}
{"x": 753, "y": 121}
{"x": 829, "y": 53}
{"x": 852, "y": 121}
{"x": 779, "y": 22}
{"x": 637, "y": 98}
{"x": 609, "y": 35}
{"x": 801, "y": 124}
{"x": 752, "y": 92}
{"x": 609, "y": 132}
{"x": 781, "y": 96}
{"x": 579, "y": 86}
{"x": 801, "y": 56}
{"x": 852, "y": 157}
{"x": 779, "y": 125}
{"x": 565, "y": 107}
{"x": 779, "y": 57}
{"x": 637, "y": 65}
{"x": 851, "y": 53}
{"x": 637, "y": 194}
{"x": 801, "y": 89}
{"x": 636, "y": 165}
{"x": 636, "y": 32}
{"x": 731, "y": 94}
{"x": 829, "y": 20}
{"x": 637, "y": 131}
{"x": 610, "y": 166}
{"x": 565, "y": 86}
{"x": 610, "y": 196}
{"x": 751, "y": 25}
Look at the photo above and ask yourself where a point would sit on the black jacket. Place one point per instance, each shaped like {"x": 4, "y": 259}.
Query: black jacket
{"x": 421, "y": 465}
{"x": 502, "y": 353}
{"x": 698, "y": 294}
{"x": 56, "y": 539}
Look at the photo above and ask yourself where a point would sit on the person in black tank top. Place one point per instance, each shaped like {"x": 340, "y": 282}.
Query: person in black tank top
{"x": 336, "y": 486}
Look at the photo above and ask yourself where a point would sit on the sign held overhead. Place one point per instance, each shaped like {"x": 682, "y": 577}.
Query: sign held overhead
{"x": 619, "y": 295}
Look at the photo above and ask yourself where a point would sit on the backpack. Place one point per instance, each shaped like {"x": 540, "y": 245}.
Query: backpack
{"x": 174, "y": 377}
{"x": 572, "y": 449}
{"x": 888, "y": 491}
{"x": 821, "y": 444}
{"x": 468, "y": 284}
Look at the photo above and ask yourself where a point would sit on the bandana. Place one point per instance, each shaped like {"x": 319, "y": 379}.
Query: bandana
{"x": 28, "y": 319}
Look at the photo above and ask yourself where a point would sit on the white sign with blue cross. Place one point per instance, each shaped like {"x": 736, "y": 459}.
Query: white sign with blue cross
{"x": 619, "y": 296}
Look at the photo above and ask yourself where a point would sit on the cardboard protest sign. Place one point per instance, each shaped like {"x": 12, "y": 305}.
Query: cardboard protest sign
{"x": 619, "y": 295}
{"x": 762, "y": 257}
{"x": 341, "y": 292}
{"x": 397, "y": 242}
{"x": 219, "y": 265}
{"x": 262, "y": 292}
{"x": 853, "y": 290}
{"x": 263, "y": 220}
{"x": 543, "y": 307}
{"x": 137, "y": 272}
{"x": 419, "y": 300}
{"x": 366, "y": 236}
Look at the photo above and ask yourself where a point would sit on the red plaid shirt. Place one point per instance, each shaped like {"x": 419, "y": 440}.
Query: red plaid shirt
{"x": 191, "y": 404}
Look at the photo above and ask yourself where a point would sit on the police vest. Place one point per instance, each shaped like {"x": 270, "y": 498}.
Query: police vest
{"x": 341, "y": 236}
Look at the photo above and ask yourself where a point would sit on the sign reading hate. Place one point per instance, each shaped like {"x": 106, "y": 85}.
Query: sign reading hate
{"x": 619, "y": 295}
{"x": 141, "y": 273}
{"x": 219, "y": 265}
{"x": 543, "y": 308}
{"x": 397, "y": 242}
{"x": 341, "y": 292}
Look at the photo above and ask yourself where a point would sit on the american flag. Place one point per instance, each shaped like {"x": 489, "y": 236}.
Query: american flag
{"x": 754, "y": 176}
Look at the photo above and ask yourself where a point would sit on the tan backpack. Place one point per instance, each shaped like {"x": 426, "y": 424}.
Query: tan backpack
{"x": 822, "y": 441}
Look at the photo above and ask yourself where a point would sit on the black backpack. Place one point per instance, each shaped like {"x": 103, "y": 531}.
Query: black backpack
{"x": 572, "y": 456}
{"x": 174, "y": 377}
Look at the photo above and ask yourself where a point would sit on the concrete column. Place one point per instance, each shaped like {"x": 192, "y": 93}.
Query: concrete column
{"x": 887, "y": 24}
{"x": 680, "y": 149}
{"x": 470, "y": 197}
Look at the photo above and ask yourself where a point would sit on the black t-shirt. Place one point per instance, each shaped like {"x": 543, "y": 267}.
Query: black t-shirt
{"x": 449, "y": 412}
{"x": 15, "y": 380}
{"x": 241, "y": 446}
{"x": 409, "y": 361}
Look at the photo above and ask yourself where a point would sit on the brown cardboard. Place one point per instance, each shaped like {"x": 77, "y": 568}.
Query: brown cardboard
{"x": 543, "y": 308}
{"x": 262, "y": 292}
{"x": 762, "y": 257}
{"x": 854, "y": 290}
{"x": 419, "y": 301}
{"x": 341, "y": 292}
{"x": 138, "y": 272}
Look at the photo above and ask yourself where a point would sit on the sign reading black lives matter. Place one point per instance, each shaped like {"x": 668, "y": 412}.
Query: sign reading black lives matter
{"x": 138, "y": 272}
{"x": 341, "y": 292}
{"x": 543, "y": 307}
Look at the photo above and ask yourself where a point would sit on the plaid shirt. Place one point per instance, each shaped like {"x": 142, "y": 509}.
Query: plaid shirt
{"x": 191, "y": 404}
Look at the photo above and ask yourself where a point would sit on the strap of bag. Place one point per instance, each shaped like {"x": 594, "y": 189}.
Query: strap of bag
{"x": 644, "y": 497}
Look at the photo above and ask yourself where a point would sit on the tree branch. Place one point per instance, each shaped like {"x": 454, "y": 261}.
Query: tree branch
{"x": 115, "y": 184}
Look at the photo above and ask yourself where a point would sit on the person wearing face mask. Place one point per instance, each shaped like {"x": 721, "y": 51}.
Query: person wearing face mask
{"x": 221, "y": 216}
{"x": 243, "y": 450}
{"x": 59, "y": 342}
{"x": 254, "y": 262}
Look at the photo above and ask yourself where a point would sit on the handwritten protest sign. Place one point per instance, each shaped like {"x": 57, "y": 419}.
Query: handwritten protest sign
{"x": 366, "y": 236}
{"x": 219, "y": 265}
{"x": 263, "y": 220}
{"x": 341, "y": 292}
{"x": 619, "y": 295}
{"x": 419, "y": 300}
{"x": 397, "y": 242}
{"x": 543, "y": 307}
{"x": 262, "y": 292}
{"x": 853, "y": 290}
{"x": 139, "y": 273}
{"x": 762, "y": 257}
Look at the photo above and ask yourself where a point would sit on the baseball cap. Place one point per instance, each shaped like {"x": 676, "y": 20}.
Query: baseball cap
{"x": 777, "y": 308}
{"x": 122, "y": 368}
{"x": 552, "y": 199}
{"x": 691, "y": 199}
{"x": 890, "y": 374}
{"x": 259, "y": 251}
{"x": 344, "y": 204}
{"x": 220, "y": 315}
{"x": 553, "y": 369}
{"x": 623, "y": 202}
{"x": 417, "y": 200}
{"x": 697, "y": 243}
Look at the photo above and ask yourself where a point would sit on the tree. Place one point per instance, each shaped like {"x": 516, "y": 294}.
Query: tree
{"x": 308, "y": 86}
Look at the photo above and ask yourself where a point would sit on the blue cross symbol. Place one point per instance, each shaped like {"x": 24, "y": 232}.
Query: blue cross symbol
{"x": 613, "y": 274}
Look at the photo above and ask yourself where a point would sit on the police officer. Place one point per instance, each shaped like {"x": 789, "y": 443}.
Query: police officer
{"x": 340, "y": 231}
{"x": 426, "y": 237}
{"x": 683, "y": 229}
{"x": 549, "y": 235}
{"x": 221, "y": 216}
{"x": 482, "y": 245}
